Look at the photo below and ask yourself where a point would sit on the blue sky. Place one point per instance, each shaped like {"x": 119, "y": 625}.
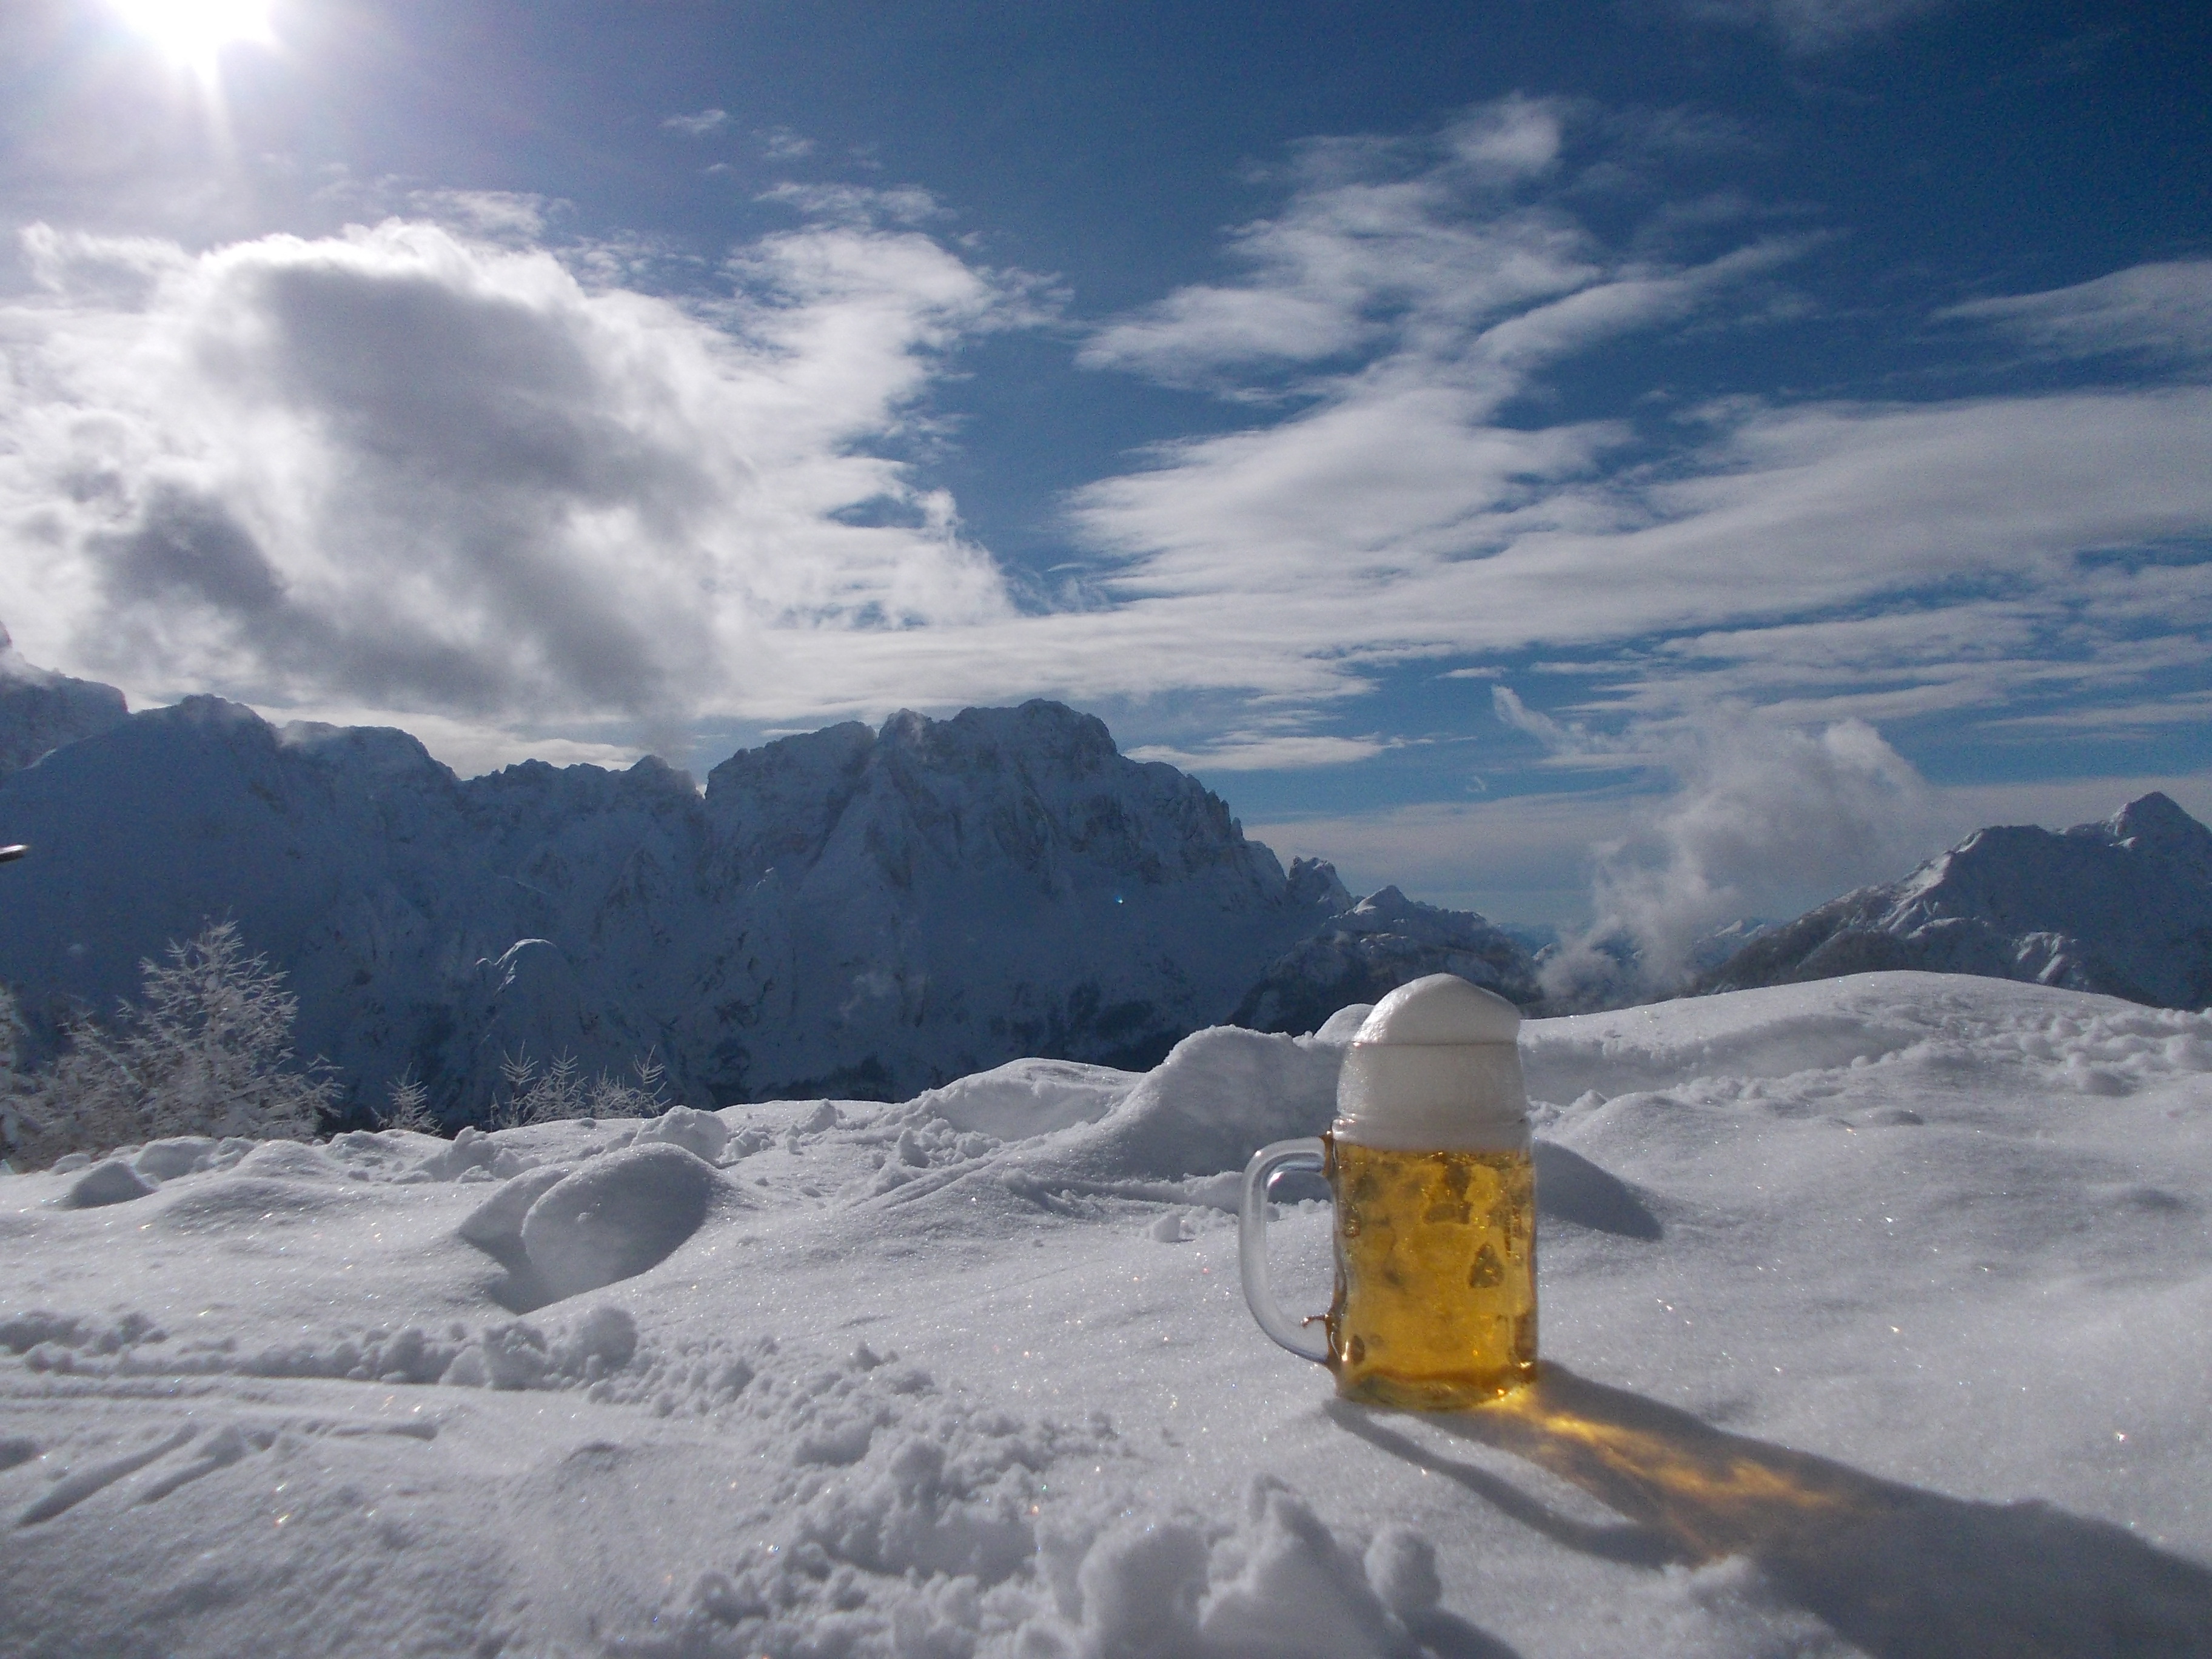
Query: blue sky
{"x": 1671, "y": 458}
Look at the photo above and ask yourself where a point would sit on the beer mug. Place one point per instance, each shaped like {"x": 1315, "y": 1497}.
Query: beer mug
{"x": 1430, "y": 1166}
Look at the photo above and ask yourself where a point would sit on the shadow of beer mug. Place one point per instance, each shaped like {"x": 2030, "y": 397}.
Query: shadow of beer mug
{"x": 1900, "y": 1572}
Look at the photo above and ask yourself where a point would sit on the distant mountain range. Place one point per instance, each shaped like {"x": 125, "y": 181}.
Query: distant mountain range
{"x": 1371, "y": 948}
{"x": 855, "y": 912}
{"x": 858, "y": 912}
{"x": 2123, "y": 906}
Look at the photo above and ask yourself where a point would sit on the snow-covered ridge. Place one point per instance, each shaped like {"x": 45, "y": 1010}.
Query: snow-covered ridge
{"x": 2123, "y": 907}
{"x": 850, "y": 912}
{"x": 1385, "y": 941}
{"x": 41, "y": 710}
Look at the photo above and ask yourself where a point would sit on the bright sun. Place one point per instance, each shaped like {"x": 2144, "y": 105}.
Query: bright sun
{"x": 193, "y": 31}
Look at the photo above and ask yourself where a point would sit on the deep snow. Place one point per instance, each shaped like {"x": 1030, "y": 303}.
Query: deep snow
{"x": 1877, "y": 1315}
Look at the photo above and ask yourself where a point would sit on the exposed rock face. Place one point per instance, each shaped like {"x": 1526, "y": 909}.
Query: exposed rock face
{"x": 1370, "y": 950}
{"x": 2123, "y": 906}
{"x": 41, "y": 710}
{"x": 850, "y": 912}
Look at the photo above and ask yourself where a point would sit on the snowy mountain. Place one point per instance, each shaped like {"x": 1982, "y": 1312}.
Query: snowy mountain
{"x": 1382, "y": 943}
{"x": 41, "y": 710}
{"x": 859, "y": 912}
{"x": 2123, "y": 908}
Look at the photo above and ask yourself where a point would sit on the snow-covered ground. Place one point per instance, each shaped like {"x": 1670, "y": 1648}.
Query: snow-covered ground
{"x": 1877, "y": 1315}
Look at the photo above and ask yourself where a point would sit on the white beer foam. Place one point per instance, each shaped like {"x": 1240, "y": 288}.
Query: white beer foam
{"x": 1436, "y": 1066}
{"x": 1440, "y": 1009}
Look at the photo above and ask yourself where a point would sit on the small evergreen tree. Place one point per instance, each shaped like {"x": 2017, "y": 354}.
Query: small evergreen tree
{"x": 560, "y": 1090}
{"x": 208, "y": 1053}
{"x": 409, "y": 1106}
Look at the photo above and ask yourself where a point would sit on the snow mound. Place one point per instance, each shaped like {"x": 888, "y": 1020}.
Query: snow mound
{"x": 702, "y": 1134}
{"x": 1026, "y": 1097}
{"x": 111, "y": 1182}
{"x": 1219, "y": 1095}
{"x": 1922, "y": 1021}
{"x": 497, "y": 1223}
{"x": 1281, "y": 1584}
{"x": 179, "y": 1155}
{"x": 616, "y": 1219}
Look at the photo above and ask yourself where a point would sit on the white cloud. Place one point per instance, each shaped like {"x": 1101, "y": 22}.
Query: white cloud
{"x": 1383, "y": 244}
{"x": 1767, "y": 819}
{"x": 510, "y": 217}
{"x": 782, "y": 144}
{"x": 1807, "y": 26}
{"x": 859, "y": 205}
{"x": 1397, "y": 522}
{"x": 698, "y": 125}
{"x": 1248, "y": 751}
{"x": 1411, "y": 298}
{"x": 398, "y": 470}
{"x": 407, "y": 470}
{"x": 2162, "y": 311}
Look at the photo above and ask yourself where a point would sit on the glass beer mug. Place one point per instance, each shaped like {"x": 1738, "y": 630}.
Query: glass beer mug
{"x": 1429, "y": 1164}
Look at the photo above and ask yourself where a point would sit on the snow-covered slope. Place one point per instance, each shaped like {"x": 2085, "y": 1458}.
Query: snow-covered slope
{"x": 851, "y": 912}
{"x": 2123, "y": 906}
{"x": 41, "y": 710}
{"x": 1385, "y": 941}
{"x": 1876, "y": 1314}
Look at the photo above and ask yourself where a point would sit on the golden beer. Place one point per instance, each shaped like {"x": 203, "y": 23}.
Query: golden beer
{"x": 1435, "y": 1274}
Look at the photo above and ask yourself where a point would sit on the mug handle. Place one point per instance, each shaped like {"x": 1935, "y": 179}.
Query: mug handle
{"x": 1311, "y": 1153}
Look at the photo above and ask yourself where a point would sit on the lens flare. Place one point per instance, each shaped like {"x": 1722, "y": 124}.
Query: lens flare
{"x": 192, "y": 32}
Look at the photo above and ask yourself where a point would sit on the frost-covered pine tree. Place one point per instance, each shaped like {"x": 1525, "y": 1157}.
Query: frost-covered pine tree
{"x": 558, "y": 1090}
{"x": 409, "y": 1106}
{"x": 209, "y": 1052}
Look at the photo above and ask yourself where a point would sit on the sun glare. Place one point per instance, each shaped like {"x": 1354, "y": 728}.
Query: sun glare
{"x": 191, "y": 31}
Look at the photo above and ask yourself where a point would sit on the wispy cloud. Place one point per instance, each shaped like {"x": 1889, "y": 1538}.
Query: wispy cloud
{"x": 1398, "y": 321}
{"x": 1808, "y": 27}
{"x": 697, "y": 126}
{"x": 860, "y": 204}
{"x": 2161, "y": 312}
{"x": 1261, "y": 752}
{"x": 782, "y": 144}
{"x": 1383, "y": 245}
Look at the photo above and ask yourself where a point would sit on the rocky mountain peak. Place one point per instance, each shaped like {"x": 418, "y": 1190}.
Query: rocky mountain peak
{"x": 851, "y": 910}
{"x": 2122, "y": 907}
{"x": 41, "y": 710}
{"x": 2154, "y": 824}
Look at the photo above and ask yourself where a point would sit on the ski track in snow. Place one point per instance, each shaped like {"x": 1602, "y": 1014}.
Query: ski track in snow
{"x": 1876, "y": 1311}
